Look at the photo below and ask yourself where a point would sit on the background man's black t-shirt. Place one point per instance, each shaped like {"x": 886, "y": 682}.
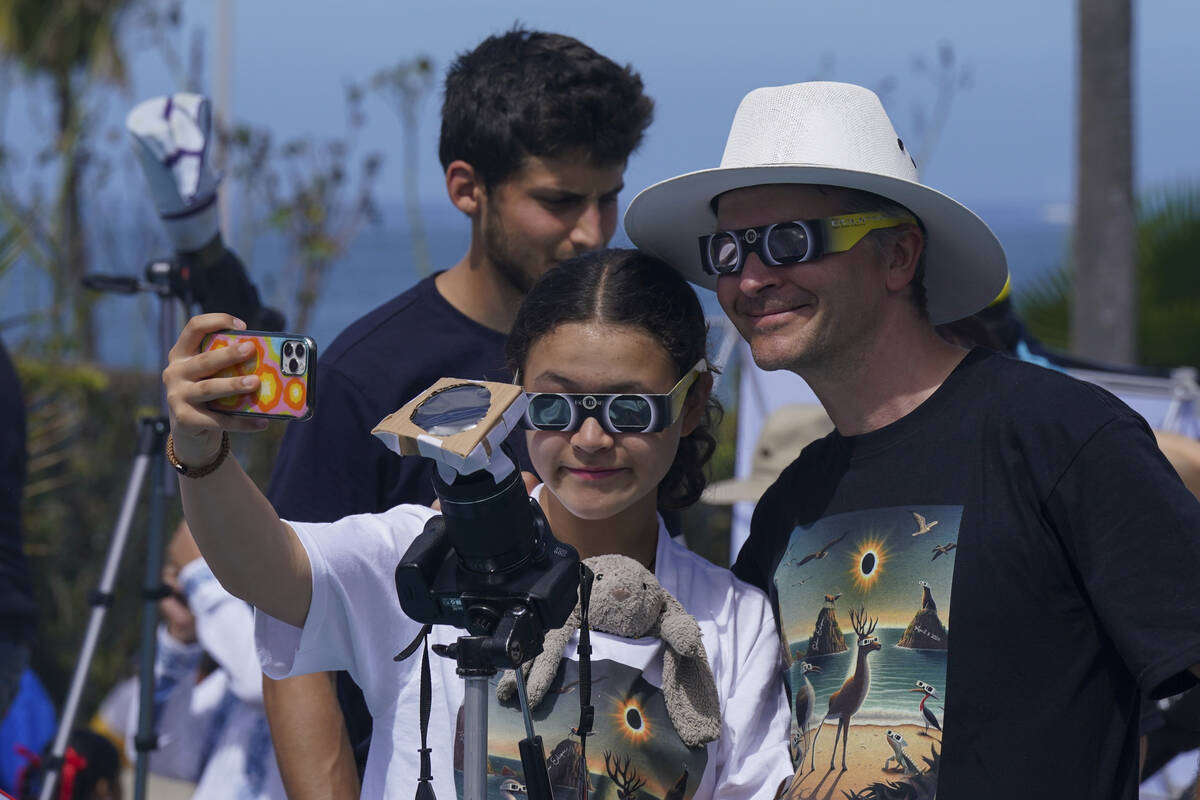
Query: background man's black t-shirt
{"x": 1017, "y": 544}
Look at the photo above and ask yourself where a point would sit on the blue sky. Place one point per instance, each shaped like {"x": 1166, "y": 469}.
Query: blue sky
{"x": 1009, "y": 136}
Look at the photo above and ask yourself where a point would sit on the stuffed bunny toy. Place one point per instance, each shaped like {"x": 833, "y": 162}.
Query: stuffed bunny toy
{"x": 628, "y": 601}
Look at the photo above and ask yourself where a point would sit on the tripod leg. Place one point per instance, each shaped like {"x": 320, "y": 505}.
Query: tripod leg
{"x": 475, "y": 724}
{"x": 146, "y": 741}
{"x": 150, "y": 439}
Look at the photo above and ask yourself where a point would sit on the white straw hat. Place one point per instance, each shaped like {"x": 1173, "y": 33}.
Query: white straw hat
{"x": 835, "y": 134}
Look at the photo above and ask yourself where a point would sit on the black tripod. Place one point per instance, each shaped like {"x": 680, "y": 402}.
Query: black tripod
{"x": 149, "y": 459}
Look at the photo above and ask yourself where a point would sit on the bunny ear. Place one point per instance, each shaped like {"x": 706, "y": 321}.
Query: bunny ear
{"x": 690, "y": 692}
{"x": 678, "y": 628}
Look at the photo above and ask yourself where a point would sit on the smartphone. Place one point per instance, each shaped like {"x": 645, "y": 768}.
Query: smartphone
{"x": 285, "y": 364}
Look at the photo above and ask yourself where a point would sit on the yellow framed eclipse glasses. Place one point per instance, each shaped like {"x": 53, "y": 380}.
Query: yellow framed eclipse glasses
{"x": 791, "y": 241}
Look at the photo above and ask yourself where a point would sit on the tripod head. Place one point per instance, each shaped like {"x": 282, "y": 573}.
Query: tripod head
{"x": 213, "y": 279}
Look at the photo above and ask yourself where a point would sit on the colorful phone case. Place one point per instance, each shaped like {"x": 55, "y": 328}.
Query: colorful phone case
{"x": 285, "y": 364}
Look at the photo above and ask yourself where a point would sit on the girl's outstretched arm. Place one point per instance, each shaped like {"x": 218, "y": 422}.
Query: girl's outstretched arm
{"x": 254, "y": 555}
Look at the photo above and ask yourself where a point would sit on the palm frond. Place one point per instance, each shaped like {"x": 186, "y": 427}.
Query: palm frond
{"x": 1168, "y": 283}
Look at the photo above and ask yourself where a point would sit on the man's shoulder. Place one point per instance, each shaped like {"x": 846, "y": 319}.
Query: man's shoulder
{"x": 406, "y": 312}
{"x": 415, "y": 333}
{"x": 1027, "y": 393}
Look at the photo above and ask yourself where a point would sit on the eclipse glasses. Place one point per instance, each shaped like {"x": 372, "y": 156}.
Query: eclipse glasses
{"x": 791, "y": 242}
{"x": 616, "y": 413}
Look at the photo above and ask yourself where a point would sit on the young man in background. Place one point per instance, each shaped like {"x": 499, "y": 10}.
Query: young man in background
{"x": 536, "y": 131}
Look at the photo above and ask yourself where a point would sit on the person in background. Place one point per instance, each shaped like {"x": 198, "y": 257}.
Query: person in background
{"x": 27, "y": 728}
{"x": 209, "y": 719}
{"x": 91, "y": 770}
{"x": 536, "y": 130}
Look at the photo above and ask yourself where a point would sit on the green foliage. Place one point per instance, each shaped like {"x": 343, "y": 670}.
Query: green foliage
{"x": 1168, "y": 290}
{"x": 62, "y": 36}
{"x": 308, "y": 192}
{"x": 405, "y": 85}
{"x": 73, "y": 46}
{"x": 1168, "y": 257}
{"x": 1045, "y": 307}
{"x": 11, "y": 245}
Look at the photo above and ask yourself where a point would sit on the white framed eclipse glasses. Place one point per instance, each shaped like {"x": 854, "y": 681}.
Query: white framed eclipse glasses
{"x": 790, "y": 242}
{"x": 616, "y": 413}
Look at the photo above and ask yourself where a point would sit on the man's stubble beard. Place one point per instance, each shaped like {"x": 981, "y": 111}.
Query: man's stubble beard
{"x": 817, "y": 353}
{"x": 499, "y": 254}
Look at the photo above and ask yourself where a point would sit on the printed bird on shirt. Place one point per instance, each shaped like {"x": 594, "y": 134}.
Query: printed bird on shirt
{"x": 922, "y": 525}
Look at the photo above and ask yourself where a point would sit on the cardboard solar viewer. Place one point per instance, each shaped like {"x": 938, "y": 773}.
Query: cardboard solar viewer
{"x": 459, "y": 423}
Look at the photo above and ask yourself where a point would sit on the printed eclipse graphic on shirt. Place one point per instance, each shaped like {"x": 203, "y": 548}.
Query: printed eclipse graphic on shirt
{"x": 864, "y": 606}
{"x": 633, "y": 751}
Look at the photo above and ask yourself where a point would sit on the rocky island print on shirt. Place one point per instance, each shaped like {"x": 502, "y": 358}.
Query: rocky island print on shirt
{"x": 864, "y": 609}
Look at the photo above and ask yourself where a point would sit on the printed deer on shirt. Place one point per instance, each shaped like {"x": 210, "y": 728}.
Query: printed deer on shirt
{"x": 845, "y": 702}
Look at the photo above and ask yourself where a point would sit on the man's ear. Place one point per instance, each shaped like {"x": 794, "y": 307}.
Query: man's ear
{"x": 696, "y": 402}
{"x": 465, "y": 188}
{"x": 903, "y": 254}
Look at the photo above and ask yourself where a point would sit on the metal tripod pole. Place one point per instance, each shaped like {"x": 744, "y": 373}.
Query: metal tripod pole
{"x": 475, "y": 731}
{"x": 163, "y": 483}
{"x": 149, "y": 458}
{"x": 149, "y": 437}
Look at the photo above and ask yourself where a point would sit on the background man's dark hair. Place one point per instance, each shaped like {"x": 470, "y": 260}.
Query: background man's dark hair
{"x": 529, "y": 93}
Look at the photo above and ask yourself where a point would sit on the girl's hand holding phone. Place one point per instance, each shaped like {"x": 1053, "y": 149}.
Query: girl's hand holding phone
{"x": 190, "y": 383}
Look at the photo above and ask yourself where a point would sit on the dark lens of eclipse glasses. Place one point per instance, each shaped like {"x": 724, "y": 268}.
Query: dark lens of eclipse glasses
{"x": 629, "y": 413}
{"x": 788, "y": 242}
{"x": 723, "y": 252}
{"x": 550, "y": 411}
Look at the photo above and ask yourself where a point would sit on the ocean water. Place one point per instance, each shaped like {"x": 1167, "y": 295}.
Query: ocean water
{"x": 894, "y": 674}
{"x": 377, "y": 266}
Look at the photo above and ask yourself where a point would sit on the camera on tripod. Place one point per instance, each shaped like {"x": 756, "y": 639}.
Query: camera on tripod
{"x": 489, "y": 564}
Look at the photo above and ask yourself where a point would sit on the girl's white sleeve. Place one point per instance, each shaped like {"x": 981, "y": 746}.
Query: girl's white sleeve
{"x": 354, "y": 620}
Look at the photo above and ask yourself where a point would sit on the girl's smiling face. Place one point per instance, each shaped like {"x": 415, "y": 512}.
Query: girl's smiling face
{"x": 594, "y": 474}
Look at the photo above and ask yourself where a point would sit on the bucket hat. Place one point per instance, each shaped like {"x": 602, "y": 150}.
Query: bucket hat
{"x": 786, "y": 432}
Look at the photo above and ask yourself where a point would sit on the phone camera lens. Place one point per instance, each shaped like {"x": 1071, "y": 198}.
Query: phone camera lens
{"x": 293, "y": 365}
{"x": 299, "y": 350}
{"x": 287, "y": 349}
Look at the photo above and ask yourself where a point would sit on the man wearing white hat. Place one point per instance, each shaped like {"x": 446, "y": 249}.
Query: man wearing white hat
{"x": 1006, "y": 539}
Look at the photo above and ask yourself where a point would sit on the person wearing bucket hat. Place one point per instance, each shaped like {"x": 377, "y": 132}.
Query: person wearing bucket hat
{"x": 994, "y": 529}
{"x": 784, "y": 434}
